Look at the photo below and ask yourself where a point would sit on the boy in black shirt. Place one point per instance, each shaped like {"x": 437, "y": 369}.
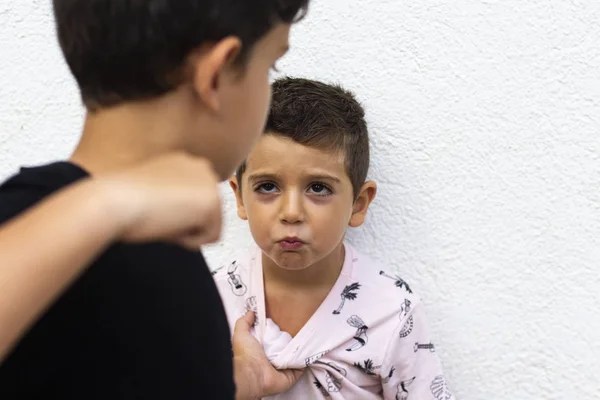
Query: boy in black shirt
{"x": 156, "y": 76}
{"x": 154, "y": 201}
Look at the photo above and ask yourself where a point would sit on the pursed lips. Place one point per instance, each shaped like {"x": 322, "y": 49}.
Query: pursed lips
{"x": 291, "y": 243}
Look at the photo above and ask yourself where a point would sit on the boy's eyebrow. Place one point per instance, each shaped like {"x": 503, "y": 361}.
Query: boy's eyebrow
{"x": 262, "y": 176}
{"x": 324, "y": 177}
{"x": 316, "y": 176}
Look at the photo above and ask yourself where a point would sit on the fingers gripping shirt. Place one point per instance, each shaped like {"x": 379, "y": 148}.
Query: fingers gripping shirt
{"x": 369, "y": 339}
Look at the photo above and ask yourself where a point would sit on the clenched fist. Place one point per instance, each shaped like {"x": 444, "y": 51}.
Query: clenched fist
{"x": 171, "y": 198}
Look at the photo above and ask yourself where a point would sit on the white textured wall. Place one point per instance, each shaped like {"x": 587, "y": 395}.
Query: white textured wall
{"x": 485, "y": 119}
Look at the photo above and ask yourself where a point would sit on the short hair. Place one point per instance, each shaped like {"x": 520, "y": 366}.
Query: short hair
{"x": 129, "y": 50}
{"x": 323, "y": 116}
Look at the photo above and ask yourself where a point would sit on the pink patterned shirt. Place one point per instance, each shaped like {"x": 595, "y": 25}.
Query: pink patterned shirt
{"x": 369, "y": 339}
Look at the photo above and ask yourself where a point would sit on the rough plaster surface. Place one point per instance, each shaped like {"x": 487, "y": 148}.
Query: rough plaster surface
{"x": 485, "y": 120}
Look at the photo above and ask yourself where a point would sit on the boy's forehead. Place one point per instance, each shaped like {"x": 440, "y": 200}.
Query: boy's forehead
{"x": 276, "y": 152}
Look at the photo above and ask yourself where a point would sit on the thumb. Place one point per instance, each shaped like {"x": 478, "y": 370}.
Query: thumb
{"x": 283, "y": 381}
{"x": 293, "y": 375}
{"x": 245, "y": 323}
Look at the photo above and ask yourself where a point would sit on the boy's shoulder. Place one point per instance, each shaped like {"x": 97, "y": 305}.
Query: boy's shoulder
{"x": 385, "y": 284}
{"x": 32, "y": 184}
{"x": 233, "y": 281}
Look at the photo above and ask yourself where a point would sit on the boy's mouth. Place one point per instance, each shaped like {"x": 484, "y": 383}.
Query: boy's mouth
{"x": 291, "y": 243}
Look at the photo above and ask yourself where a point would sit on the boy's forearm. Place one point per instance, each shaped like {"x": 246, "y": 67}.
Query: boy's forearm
{"x": 45, "y": 249}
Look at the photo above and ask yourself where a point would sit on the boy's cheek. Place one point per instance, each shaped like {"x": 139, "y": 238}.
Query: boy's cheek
{"x": 256, "y": 214}
{"x": 259, "y": 226}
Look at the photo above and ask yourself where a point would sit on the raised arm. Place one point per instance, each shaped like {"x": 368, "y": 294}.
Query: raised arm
{"x": 173, "y": 198}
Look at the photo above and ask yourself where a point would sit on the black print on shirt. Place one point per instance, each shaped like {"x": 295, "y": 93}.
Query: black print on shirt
{"x": 237, "y": 286}
{"x": 399, "y": 282}
{"x": 334, "y": 384}
{"x": 321, "y": 388}
{"x": 427, "y": 346}
{"x": 439, "y": 389}
{"x": 349, "y": 293}
{"x": 251, "y": 305}
{"x": 402, "y": 393}
{"x": 313, "y": 359}
{"x": 405, "y": 308}
{"x": 360, "y": 337}
{"x": 407, "y": 328}
{"x": 367, "y": 367}
{"x": 389, "y": 376}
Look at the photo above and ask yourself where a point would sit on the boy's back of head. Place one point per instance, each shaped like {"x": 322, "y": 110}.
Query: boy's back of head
{"x": 128, "y": 50}
{"x": 322, "y": 116}
{"x": 167, "y": 75}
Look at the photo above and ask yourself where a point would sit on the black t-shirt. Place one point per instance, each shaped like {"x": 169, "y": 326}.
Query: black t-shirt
{"x": 143, "y": 322}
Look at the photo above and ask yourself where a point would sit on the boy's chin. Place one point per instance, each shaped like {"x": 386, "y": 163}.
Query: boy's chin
{"x": 291, "y": 261}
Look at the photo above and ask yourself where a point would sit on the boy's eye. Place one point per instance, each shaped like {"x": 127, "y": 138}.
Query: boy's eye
{"x": 320, "y": 189}
{"x": 266, "y": 188}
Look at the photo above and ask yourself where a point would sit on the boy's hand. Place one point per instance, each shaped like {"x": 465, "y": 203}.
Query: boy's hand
{"x": 255, "y": 377}
{"x": 172, "y": 198}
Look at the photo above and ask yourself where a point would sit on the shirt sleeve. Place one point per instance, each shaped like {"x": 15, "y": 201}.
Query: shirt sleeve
{"x": 412, "y": 369}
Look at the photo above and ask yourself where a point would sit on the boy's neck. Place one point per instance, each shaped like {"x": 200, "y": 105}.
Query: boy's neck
{"x": 123, "y": 136}
{"x": 319, "y": 276}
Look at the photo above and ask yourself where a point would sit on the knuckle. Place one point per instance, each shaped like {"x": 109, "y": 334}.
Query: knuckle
{"x": 214, "y": 237}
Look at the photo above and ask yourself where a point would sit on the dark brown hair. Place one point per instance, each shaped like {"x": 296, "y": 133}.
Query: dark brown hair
{"x": 322, "y": 116}
{"x": 127, "y": 50}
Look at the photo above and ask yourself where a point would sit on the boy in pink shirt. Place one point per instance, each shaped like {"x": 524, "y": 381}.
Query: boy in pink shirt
{"x": 358, "y": 331}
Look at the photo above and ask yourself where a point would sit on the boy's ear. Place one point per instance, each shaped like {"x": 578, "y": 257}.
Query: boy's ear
{"x": 361, "y": 204}
{"x": 241, "y": 209}
{"x": 208, "y": 67}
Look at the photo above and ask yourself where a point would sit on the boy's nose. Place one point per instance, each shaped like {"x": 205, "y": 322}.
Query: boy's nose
{"x": 292, "y": 210}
